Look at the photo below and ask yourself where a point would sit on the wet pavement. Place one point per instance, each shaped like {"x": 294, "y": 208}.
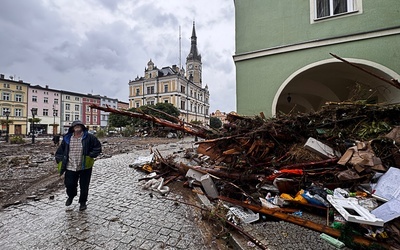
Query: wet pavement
{"x": 122, "y": 215}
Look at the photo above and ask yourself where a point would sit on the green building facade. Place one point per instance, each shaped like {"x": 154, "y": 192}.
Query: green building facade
{"x": 283, "y": 53}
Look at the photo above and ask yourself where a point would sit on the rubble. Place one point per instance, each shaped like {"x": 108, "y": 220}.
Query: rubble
{"x": 327, "y": 162}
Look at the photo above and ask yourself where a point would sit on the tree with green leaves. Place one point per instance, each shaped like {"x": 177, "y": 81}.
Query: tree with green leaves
{"x": 167, "y": 108}
{"x": 119, "y": 121}
{"x": 215, "y": 123}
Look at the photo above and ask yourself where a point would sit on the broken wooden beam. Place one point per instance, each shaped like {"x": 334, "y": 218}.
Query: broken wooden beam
{"x": 196, "y": 130}
{"x": 298, "y": 221}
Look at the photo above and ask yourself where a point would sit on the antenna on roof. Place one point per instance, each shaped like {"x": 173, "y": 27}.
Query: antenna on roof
{"x": 180, "y": 38}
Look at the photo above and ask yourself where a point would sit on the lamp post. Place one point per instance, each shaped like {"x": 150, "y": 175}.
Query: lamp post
{"x": 34, "y": 112}
{"x": 54, "y": 121}
{"x": 7, "y": 113}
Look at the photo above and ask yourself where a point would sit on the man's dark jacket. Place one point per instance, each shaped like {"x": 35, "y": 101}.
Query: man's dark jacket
{"x": 91, "y": 148}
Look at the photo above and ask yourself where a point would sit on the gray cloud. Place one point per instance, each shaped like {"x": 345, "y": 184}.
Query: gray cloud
{"x": 65, "y": 46}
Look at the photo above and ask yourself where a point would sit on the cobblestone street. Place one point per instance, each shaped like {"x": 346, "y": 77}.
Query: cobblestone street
{"x": 120, "y": 215}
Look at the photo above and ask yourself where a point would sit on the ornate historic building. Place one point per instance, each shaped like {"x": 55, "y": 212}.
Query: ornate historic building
{"x": 180, "y": 87}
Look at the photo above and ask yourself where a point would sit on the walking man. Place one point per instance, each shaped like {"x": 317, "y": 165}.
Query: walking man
{"x": 75, "y": 156}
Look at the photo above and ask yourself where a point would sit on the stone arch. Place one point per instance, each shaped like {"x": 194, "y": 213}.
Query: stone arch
{"x": 311, "y": 86}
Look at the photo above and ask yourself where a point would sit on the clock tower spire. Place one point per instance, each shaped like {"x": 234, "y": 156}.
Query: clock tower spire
{"x": 193, "y": 60}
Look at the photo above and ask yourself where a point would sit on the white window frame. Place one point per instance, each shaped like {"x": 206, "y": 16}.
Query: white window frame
{"x": 18, "y": 97}
{"x": 18, "y": 112}
{"x": 6, "y": 96}
{"x": 354, "y": 7}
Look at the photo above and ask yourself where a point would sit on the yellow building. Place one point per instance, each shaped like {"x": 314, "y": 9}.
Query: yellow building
{"x": 14, "y": 102}
{"x": 172, "y": 85}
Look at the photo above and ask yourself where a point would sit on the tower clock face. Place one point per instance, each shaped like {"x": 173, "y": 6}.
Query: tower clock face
{"x": 190, "y": 66}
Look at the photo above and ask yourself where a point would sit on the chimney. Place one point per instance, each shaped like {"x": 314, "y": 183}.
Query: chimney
{"x": 1, "y": 76}
{"x": 47, "y": 86}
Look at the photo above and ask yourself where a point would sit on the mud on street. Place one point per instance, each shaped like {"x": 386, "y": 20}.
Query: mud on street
{"x": 29, "y": 172}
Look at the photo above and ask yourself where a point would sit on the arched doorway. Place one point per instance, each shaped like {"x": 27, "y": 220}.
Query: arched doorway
{"x": 309, "y": 88}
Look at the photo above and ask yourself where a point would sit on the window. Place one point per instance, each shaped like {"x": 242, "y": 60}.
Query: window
{"x": 183, "y": 89}
{"x": 183, "y": 104}
{"x": 76, "y": 98}
{"x": 165, "y": 101}
{"x": 326, "y": 8}
{"x": 5, "y": 110}
{"x": 77, "y": 117}
{"x": 67, "y": 117}
{"x": 46, "y": 100}
{"x": 95, "y": 119}
{"x": 67, "y": 106}
{"x": 76, "y": 107}
{"x": 165, "y": 88}
{"x": 34, "y": 98}
{"x": 55, "y": 112}
{"x": 18, "y": 97}
{"x": 67, "y": 97}
{"x": 18, "y": 112}
{"x": 137, "y": 91}
{"x": 19, "y": 87}
{"x": 55, "y": 101}
{"x": 150, "y": 90}
{"x": 88, "y": 119}
{"x": 45, "y": 112}
{"x": 6, "y": 85}
{"x": 6, "y": 96}
{"x": 137, "y": 104}
{"x": 87, "y": 108}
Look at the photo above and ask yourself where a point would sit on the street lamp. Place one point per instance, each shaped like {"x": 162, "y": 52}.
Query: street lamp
{"x": 54, "y": 120}
{"x": 7, "y": 113}
{"x": 34, "y": 112}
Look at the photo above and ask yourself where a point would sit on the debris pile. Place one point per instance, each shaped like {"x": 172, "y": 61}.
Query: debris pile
{"x": 341, "y": 162}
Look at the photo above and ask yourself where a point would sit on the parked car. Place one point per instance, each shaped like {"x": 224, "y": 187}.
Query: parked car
{"x": 36, "y": 133}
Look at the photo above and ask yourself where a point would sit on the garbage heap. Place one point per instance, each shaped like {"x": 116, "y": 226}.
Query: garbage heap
{"x": 341, "y": 162}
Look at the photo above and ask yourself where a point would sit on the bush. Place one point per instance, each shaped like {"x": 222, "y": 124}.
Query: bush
{"x": 128, "y": 131}
{"x": 17, "y": 140}
{"x": 101, "y": 133}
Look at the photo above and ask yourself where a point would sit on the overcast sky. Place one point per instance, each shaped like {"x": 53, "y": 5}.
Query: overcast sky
{"x": 97, "y": 46}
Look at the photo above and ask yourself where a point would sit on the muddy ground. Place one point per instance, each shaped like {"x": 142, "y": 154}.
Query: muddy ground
{"x": 28, "y": 171}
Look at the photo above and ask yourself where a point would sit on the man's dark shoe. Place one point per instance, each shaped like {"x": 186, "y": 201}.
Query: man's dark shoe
{"x": 82, "y": 206}
{"x": 69, "y": 201}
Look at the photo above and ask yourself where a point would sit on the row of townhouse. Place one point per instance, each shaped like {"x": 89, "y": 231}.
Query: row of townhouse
{"x": 53, "y": 109}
